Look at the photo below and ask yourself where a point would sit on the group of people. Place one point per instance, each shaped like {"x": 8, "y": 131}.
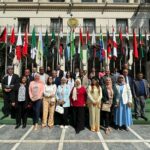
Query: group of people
{"x": 108, "y": 97}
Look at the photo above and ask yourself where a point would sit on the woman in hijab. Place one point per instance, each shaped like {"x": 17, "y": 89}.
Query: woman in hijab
{"x": 123, "y": 115}
{"x": 108, "y": 101}
{"x": 94, "y": 103}
{"x": 78, "y": 102}
{"x": 63, "y": 99}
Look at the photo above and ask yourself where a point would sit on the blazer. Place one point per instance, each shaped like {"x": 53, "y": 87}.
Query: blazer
{"x": 105, "y": 94}
{"x": 126, "y": 94}
{"x": 136, "y": 88}
{"x": 13, "y": 85}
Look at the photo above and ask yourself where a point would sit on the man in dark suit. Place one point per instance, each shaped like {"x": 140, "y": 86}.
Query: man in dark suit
{"x": 28, "y": 76}
{"x": 10, "y": 84}
{"x": 56, "y": 79}
{"x": 128, "y": 78}
{"x": 140, "y": 94}
{"x": 60, "y": 72}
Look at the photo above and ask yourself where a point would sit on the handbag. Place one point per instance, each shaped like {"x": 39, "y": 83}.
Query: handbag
{"x": 59, "y": 109}
{"x": 106, "y": 107}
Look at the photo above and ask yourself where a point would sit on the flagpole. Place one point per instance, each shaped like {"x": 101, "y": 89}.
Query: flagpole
{"x": 26, "y": 63}
{"x": 134, "y": 68}
{"x": 6, "y": 56}
{"x": 140, "y": 65}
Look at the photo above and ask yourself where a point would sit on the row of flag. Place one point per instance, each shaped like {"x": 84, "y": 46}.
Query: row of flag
{"x": 112, "y": 50}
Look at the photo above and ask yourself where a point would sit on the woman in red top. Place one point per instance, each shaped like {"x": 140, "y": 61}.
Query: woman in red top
{"x": 78, "y": 101}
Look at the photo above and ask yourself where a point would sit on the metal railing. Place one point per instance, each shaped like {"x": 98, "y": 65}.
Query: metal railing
{"x": 42, "y": 28}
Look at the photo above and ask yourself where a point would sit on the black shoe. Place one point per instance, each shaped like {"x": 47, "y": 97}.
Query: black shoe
{"x": 145, "y": 118}
{"x": 17, "y": 126}
{"x": 24, "y": 126}
{"x": 136, "y": 117}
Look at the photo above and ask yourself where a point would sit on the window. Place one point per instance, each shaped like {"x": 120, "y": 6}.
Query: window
{"x": 56, "y": 24}
{"x": 23, "y": 22}
{"x": 89, "y": 0}
{"x": 147, "y": 1}
{"x": 57, "y": 0}
{"x": 121, "y": 1}
{"x": 123, "y": 23}
{"x": 90, "y": 23}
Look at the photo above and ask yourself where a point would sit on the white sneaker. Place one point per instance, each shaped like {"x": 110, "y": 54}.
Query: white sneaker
{"x": 61, "y": 126}
{"x": 66, "y": 127}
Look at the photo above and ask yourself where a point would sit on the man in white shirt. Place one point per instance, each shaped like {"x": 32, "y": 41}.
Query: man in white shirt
{"x": 43, "y": 75}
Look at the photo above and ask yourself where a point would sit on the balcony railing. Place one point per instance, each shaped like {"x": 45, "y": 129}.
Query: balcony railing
{"x": 65, "y": 28}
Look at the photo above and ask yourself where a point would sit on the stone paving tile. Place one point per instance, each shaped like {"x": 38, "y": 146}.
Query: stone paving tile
{"x": 39, "y": 146}
{"x": 10, "y": 133}
{"x": 83, "y": 146}
{"x": 45, "y": 134}
{"x": 127, "y": 146}
{"x": 142, "y": 130}
{"x": 5, "y": 146}
{"x": 119, "y": 135}
{"x": 83, "y": 135}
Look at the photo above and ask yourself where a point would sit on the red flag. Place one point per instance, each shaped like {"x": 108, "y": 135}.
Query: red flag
{"x": 61, "y": 50}
{"x": 135, "y": 49}
{"x": 12, "y": 37}
{"x": 109, "y": 46}
{"x": 25, "y": 44}
{"x": 3, "y": 36}
{"x": 19, "y": 45}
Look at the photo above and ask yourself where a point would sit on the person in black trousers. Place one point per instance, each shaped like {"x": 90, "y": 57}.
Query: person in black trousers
{"x": 22, "y": 103}
{"x": 10, "y": 83}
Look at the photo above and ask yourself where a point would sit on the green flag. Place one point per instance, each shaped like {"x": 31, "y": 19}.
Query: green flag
{"x": 53, "y": 36}
{"x": 72, "y": 43}
{"x": 46, "y": 44}
{"x": 141, "y": 43}
{"x": 33, "y": 44}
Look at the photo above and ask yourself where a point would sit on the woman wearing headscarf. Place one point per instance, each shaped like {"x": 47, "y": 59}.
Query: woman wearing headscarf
{"x": 63, "y": 99}
{"x": 108, "y": 101}
{"x": 94, "y": 102}
{"x": 49, "y": 101}
{"x": 36, "y": 90}
{"x": 123, "y": 115}
{"x": 78, "y": 102}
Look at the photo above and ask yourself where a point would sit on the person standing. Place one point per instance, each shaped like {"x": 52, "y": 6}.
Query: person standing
{"x": 28, "y": 76}
{"x": 36, "y": 90}
{"x": 43, "y": 75}
{"x": 56, "y": 79}
{"x": 10, "y": 84}
{"x": 62, "y": 96}
{"x": 49, "y": 103}
{"x": 123, "y": 115}
{"x": 78, "y": 101}
{"x": 60, "y": 72}
{"x": 108, "y": 101}
{"x": 140, "y": 94}
{"x": 22, "y": 103}
{"x": 70, "y": 80}
{"x": 94, "y": 102}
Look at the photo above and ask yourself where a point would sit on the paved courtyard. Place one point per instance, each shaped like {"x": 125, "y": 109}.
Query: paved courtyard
{"x": 137, "y": 138}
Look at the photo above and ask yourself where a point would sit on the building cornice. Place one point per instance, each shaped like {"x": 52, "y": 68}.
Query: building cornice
{"x": 15, "y": 6}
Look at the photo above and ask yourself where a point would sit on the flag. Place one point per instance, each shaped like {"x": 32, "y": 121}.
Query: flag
{"x": 33, "y": 44}
{"x": 39, "y": 54}
{"x": 25, "y": 44}
{"x": 114, "y": 45}
{"x": 67, "y": 52}
{"x": 80, "y": 51}
{"x": 127, "y": 45}
{"x": 102, "y": 51}
{"x": 93, "y": 42}
{"x": 109, "y": 46}
{"x": 12, "y": 39}
{"x": 53, "y": 36}
{"x": 19, "y": 45}
{"x": 135, "y": 50}
{"x": 46, "y": 44}
{"x": 72, "y": 43}
{"x": 3, "y": 36}
{"x": 121, "y": 42}
{"x": 147, "y": 43}
{"x": 141, "y": 44}
{"x": 61, "y": 46}
{"x": 87, "y": 38}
